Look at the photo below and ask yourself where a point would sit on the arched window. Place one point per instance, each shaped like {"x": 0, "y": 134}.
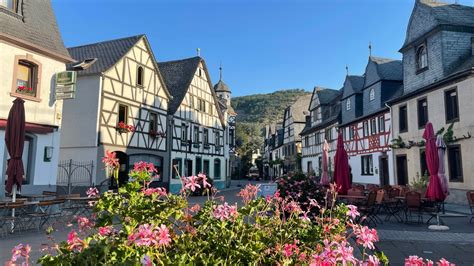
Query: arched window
{"x": 217, "y": 169}
{"x": 348, "y": 104}
{"x": 421, "y": 57}
{"x": 140, "y": 73}
{"x": 372, "y": 94}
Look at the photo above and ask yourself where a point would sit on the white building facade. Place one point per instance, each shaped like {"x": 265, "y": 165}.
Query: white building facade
{"x": 31, "y": 53}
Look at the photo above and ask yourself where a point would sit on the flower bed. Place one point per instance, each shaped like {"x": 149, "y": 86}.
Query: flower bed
{"x": 152, "y": 227}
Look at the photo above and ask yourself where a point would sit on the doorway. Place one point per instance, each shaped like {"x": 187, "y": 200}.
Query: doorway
{"x": 402, "y": 170}
{"x": 189, "y": 167}
{"x": 122, "y": 172}
{"x": 384, "y": 174}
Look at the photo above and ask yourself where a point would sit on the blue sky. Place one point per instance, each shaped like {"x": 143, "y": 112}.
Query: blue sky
{"x": 263, "y": 45}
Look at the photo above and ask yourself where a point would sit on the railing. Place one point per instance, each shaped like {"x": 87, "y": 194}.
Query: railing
{"x": 72, "y": 174}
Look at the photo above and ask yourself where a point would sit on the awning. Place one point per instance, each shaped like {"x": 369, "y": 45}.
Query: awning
{"x": 32, "y": 128}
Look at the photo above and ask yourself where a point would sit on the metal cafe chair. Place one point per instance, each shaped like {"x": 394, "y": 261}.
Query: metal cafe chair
{"x": 413, "y": 205}
{"x": 369, "y": 210}
{"x": 9, "y": 223}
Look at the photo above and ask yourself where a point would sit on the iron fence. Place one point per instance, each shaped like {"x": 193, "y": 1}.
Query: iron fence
{"x": 73, "y": 174}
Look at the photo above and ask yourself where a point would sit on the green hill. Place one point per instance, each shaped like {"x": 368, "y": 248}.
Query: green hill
{"x": 265, "y": 108}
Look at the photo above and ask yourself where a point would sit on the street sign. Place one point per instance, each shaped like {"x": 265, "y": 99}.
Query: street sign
{"x": 65, "y": 96}
{"x": 66, "y": 78}
{"x": 65, "y": 88}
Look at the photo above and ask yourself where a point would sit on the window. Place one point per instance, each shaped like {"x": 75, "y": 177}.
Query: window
{"x": 217, "y": 168}
{"x": 153, "y": 122}
{"x": 351, "y": 133}
{"x": 422, "y": 112}
{"x": 28, "y": 157}
{"x": 140, "y": 76}
{"x": 122, "y": 114}
{"x": 367, "y": 165}
{"x": 306, "y": 141}
{"x": 348, "y": 104}
{"x": 196, "y": 134}
{"x": 177, "y": 168}
{"x": 372, "y": 94}
{"x": 26, "y": 78}
{"x": 206, "y": 136}
{"x": 381, "y": 124}
{"x": 317, "y": 138}
{"x": 184, "y": 133}
{"x": 198, "y": 165}
{"x": 217, "y": 138}
{"x": 423, "y": 166}
{"x": 366, "y": 128}
{"x": 373, "y": 126}
{"x": 403, "y": 119}
{"x": 328, "y": 134}
{"x": 288, "y": 132}
{"x": 344, "y": 137}
{"x": 200, "y": 72}
{"x": 231, "y": 137}
{"x": 201, "y": 105}
{"x": 9, "y": 4}
{"x": 451, "y": 105}
{"x": 206, "y": 167}
{"x": 421, "y": 58}
{"x": 455, "y": 163}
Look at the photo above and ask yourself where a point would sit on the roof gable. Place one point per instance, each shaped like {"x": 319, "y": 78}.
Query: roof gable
{"x": 321, "y": 96}
{"x": 378, "y": 69}
{"x": 108, "y": 53}
{"x": 35, "y": 25}
{"x": 352, "y": 85}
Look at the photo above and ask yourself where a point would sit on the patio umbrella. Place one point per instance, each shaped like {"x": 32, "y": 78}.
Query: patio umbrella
{"x": 434, "y": 191}
{"x": 14, "y": 141}
{"x": 341, "y": 167}
{"x": 441, "y": 170}
{"x": 324, "y": 174}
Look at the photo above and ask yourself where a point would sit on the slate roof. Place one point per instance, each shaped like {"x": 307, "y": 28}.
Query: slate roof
{"x": 468, "y": 63}
{"x": 299, "y": 109}
{"x": 178, "y": 75}
{"x": 221, "y": 87}
{"x": 107, "y": 53}
{"x": 388, "y": 69}
{"x": 330, "y": 114}
{"x": 451, "y": 14}
{"x": 35, "y": 23}
{"x": 327, "y": 95}
{"x": 357, "y": 82}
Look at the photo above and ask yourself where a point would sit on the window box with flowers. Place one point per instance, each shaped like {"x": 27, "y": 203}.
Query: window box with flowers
{"x": 124, "y": 128}
{"x": 156, "y": 134}
{"x": 26, "y": 78}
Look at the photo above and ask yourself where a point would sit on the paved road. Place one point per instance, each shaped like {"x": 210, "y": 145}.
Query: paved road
{"x": 397, "y": 240}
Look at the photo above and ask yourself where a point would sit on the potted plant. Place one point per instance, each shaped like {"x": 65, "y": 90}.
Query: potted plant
{"x": 124, "y": 128}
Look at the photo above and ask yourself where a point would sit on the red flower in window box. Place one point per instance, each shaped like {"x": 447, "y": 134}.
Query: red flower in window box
{"x": 124, "y": 128}
{"x": 24, "y": 88}
{"x": 154, "y": 134}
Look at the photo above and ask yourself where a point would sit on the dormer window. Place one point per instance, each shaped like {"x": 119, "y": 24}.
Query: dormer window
{"x": 348, "y": 104}
{"x": 9, "y": 4}
{"x": 372, "y": 94}
{"x": 140, "y": 75}
{"x": 421, "y": 58}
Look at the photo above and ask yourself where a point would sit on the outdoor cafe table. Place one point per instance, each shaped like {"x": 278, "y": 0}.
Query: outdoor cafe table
{"x": 34, "y": 196}
{"x": 352, "y": 199}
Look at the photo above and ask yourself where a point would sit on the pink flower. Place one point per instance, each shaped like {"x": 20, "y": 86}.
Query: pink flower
{"x": 248, "y": 193}
{"x": 92, "y": 192}
{"x": 290, "y": 249}
{"x": 305, "y": 217}
{"x": 105, "y": 230}
{"x": 205, "y": 184}
{"x": 147, "y": 235}
{"x": 366, "y": 236}
{"x": 84, "y": 223}
{"x": 372, "y": 261}
{"x": 191, "y": 183}
{"x": 150, "y": 191}
{"x": 110, "y": 160}
{"x": 352, "y": 212}
{"x": 414, "y": 261}
{"x": 21, "y": 251}
{"x": 444, "y": 262}
{"x": 164, "y": 238}
{"x": 195, "y": 208}
{"x": 74, "y": 242}
{"x": 225, "y": 212}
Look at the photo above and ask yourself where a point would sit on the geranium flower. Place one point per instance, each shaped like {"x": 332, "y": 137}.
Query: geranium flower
{"x": 74, "y": 242}
{"x": 191, "y": 183}
{"x": 248, "y": 193}
{"x": 204, "y": 180}
{"x": 21, "y": 251}
{"x": 105, "y": 230}
{"x": 366, "y": 236}
{"x": 164, "y": 238}
{"x": 147, "y": 235}
{"x": 150, "y": 191}
{"x": 84, "y": 223}
{"x": 225, "y": 212}
{"x": 444, "y": 262}
{"x": 146, "y": 261}
{"x": 92, "y": 192}
{"x": 110, "y": 160}
{"x": 352, "y": 212}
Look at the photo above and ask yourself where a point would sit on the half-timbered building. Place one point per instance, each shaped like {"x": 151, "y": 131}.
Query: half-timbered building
{"x": 366, "y": 121}
{"x": 197, "y": 125}
{"x": 321, "y": 124}
{"x": 31, "y": 53}
{"x": 438, "y": 73}
{"x": 277, "y": 153}
{"x": 294, "y": 121}
{"x": 121, "y": 106}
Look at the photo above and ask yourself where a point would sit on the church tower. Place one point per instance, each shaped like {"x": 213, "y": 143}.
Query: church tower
{"x": 222, "y": 90}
